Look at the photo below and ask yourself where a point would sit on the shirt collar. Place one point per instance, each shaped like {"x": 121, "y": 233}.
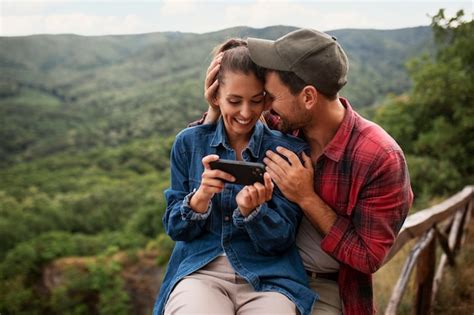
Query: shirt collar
{"x": 255, "y": 142}
{"x": 335, "y": 148}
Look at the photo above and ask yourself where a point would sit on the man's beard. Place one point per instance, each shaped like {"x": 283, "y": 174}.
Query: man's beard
{"x": 284, "y": 126}
{"x": 299, "y": 122}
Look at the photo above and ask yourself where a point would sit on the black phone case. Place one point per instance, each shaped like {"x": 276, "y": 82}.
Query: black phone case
{"x": 245, "y": 173}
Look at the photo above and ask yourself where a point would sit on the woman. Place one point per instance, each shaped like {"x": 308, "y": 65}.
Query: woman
{"x": 234, "y": 251}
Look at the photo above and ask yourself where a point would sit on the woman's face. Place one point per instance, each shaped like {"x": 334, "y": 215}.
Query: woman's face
{"x": 241, "y": 101}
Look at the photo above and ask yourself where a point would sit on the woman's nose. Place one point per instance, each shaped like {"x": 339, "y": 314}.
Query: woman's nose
{"x": 246, "y": 112}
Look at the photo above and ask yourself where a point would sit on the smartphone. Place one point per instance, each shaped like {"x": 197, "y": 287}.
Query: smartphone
{"x": 245, "y": 173}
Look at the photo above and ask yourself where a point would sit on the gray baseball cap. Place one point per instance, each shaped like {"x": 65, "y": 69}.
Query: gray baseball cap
{"x": 315, "y": 57}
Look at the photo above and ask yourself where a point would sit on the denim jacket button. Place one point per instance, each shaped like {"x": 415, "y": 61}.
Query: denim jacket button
{"x": 226, "y": 218}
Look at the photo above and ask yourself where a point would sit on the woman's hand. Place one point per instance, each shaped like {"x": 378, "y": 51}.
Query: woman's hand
{"x": 250, "y": 197}
{"x": 210, "y": 90}
{"x": 212, "y": 182}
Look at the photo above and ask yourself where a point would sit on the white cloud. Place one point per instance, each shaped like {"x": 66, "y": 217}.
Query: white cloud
{"x": 178, "y": 8}
{"x": 72, "y": 23}
{"x": 302, "y": 14}
{"x": 96, "y": 17}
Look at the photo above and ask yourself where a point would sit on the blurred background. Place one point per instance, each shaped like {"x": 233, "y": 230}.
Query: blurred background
{"x": 92, "y": 94}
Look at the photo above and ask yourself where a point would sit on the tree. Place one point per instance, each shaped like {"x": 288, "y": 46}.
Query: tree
{"x": 435, "y": 122}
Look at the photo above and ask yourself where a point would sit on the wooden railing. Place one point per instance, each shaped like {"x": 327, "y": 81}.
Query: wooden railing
{"x": 443, "y": 224}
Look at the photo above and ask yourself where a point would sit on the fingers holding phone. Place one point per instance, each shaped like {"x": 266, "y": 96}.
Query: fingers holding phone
{"x": 212, "y": 182}
{"x": 251, "y": 196}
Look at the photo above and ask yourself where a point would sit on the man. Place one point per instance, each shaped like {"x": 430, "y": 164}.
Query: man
{"x": 354, "y": 189}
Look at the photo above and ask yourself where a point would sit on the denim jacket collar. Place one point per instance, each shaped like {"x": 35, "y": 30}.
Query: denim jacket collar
{"x": 255, "y": 142}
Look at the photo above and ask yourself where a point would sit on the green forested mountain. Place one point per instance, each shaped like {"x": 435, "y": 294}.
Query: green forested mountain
{"x": 63, "y": 92}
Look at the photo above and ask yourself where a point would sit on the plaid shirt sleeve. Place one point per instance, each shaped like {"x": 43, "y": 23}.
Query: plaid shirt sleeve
{"x": 363, "y": 236}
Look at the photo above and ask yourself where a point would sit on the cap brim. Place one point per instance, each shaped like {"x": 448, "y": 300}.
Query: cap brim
{"x": 264, "y": 53}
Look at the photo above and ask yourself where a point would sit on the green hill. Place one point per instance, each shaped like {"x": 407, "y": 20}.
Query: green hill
{"x": 69, "y": 92}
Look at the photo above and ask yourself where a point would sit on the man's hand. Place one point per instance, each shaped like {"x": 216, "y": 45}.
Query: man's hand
{"x": 212, "y": 182}
{"x": 250, "y": 197}
{"x": 210, "y": 90}
{"x": 294, "y": 179}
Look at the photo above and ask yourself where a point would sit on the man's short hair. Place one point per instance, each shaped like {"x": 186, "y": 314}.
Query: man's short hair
{"x": 295, "y": 84}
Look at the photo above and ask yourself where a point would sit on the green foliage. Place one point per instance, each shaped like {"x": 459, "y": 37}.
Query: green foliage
{"x": 98, "y": 290}
{"x": 78, "y": 203}
{"x": 435, "y": 122}
{"x": 28, "y": 257}
{"x": 165, "y": 246}
{"x": 60, "y": 194}
{"x": 395, "y": 116}
{"x": 432, "y": 177}
{"x": 147, "y": 220}
{"x": 17, "y": 298}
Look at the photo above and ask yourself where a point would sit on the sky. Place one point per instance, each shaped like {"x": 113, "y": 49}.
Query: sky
{"x": 106, "y": 17}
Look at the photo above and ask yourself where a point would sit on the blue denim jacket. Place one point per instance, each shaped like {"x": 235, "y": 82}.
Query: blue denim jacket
{"x": 260, "y": 247}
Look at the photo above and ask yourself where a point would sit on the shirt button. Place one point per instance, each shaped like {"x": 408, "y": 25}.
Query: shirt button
{"x": 226, "y": 218}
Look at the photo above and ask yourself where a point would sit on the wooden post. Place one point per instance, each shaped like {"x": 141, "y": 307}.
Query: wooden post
{"x": 410, "y": 263}
{"x": 444, "y": 243}
{"x": 423, "y": 254}
{"x": 467, "y": 219}
{"x": 425, "y": 272}
{"x": 455, "y": 229}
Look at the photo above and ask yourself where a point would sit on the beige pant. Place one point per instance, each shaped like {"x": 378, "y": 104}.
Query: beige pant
{"x": 217, "y": 289}
{"x": 329, "y": 302}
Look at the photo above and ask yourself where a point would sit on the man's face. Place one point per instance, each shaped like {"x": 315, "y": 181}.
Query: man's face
{"x": 284, "y": 104}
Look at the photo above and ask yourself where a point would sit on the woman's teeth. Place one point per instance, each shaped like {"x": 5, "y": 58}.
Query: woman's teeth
{"x": 243, "y": 122}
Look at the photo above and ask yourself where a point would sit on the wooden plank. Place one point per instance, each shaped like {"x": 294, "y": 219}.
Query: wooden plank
{"x": 410, "y": 263}
{"x": 444, "y": 243}
{"x": 438, "y": 277}
{"x": 451, "y": 242}
{"x": 425, "y": 270}
{"x": 467, "y": 219}
{"x": 421, "y": 221}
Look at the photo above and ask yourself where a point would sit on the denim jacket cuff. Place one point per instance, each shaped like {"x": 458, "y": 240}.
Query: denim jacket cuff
{"x": 240, "y": 220}
{"x": 187, "y": 213}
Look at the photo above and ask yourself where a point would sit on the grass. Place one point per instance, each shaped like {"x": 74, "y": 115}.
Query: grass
{"x": 456, "y": 292}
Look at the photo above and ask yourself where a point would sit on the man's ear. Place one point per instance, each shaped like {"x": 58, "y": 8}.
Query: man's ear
{"x": 309, "y": 96}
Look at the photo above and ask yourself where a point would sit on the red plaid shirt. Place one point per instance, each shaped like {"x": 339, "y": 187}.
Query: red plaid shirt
{"x": 362, "y": 175}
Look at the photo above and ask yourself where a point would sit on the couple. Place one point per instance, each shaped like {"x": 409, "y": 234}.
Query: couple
{"x": 343, "y": 202}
